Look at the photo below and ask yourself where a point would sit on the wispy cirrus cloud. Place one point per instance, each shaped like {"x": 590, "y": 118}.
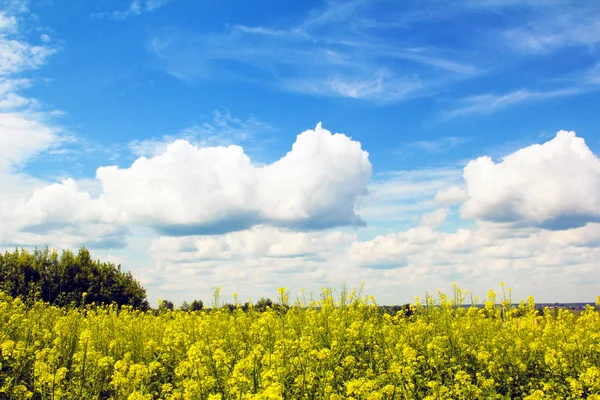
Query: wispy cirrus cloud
{"x": 405, "y": 195}
{"x": 487, "y": 103}
{"x": 587, "y": 82}
{"x": 136, "y": 8}
{"x": 334, "y": 51}
{"x": 354, "y": 50}
{"x": 554, "y": 27}
{"x": 222, "y": 130}
{"x": 436, "y": 146}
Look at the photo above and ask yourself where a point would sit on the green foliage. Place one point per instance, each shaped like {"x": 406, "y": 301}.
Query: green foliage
{"x": 68, "y": 279}
{"x": 262, "y": 304}
{"x": 196, "y": 305}
{"x": 166, "y": 305}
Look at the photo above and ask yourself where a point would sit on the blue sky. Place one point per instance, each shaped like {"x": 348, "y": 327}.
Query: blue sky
{"x": 181, "y": 139}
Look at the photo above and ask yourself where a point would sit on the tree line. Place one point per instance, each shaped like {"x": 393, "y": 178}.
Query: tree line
{"x": 68, "y": 279}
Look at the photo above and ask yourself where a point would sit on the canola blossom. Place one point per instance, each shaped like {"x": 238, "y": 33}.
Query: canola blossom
{"x": 341, "y": 347}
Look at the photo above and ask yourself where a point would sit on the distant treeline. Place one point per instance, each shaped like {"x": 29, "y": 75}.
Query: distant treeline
{"x": 68, "y": 279}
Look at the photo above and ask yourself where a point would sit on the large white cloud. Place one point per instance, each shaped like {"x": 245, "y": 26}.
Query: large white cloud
{"x": 555, "y": 185}
{"x": 450, "y": 196}
{"x": 187, "y": 190}
{"x": 552, "y": 265}
{"x": 58, "y": 215}
{"x": 257, "y": 242}
{"x": 434, "y": 218}
{"x": 545, "y": 263}
{"x": 192, "y": 190}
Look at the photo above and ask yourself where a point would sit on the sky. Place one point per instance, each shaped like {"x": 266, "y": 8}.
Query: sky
{"x": 404, "y": 146}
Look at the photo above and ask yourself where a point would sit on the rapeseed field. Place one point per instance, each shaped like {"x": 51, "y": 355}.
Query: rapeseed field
{"x": 331, "y": 347}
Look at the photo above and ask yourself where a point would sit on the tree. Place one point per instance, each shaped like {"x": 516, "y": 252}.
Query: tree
{"x": 196, "y": 305}
{"x": 185, "y": 306}
{"x": 262, "y": 304}
{"x": 166, "y": 305}
{"x": 68, "y": 279}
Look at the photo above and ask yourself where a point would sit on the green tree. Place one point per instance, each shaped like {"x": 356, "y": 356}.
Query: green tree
{"x": 196, "y": 305}
{"x": 68, "y": 279}
{"x": 166, "y": 305}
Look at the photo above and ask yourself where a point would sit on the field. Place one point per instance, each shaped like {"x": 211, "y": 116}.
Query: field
{"x": 333, "y": 347}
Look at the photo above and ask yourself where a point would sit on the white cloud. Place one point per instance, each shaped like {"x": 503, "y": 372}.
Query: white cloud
{"x": 259, "y": 241}
{"x": 250, "y": 262}
{"x": 487, "y": 103}
{"x": 435, "y": 218}
{"x": 222, "y": 130}
{"x": 450, "y": 196}
{"x": 382, "y": 86}
{"x": 33, "y": 212}
{"x": 22, "y": 138}
{"x": 186, "y": 190}
{"x": 190, "y": 190}
{"x": 59, "y": 215}
{"x": 17, "y": 55}
{"x": 136, "y": 8}
{"x": 478, "y": 259}
{"x": 434, "y": 146}
{"x": 405, "y": 195}
{"x": 8, "y": 23}
{"x": 62, "y": 204}
{"x": 534, "y": 261}
{"x": 556, "y": 185}
{"x": 557, "y": 28}
{"x": 9, "y": 99}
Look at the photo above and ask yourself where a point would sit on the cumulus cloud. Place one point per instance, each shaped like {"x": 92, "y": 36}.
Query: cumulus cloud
{"x": 410, "y": 261}
{"x": 252, "y": 261}
{"x": 55, "y": 215}
{"x": 259, "y": 241}
{"x": 62, "y": 204}
{"x": 190, "y": 190}
{"x": 555, "y": 185}
{"x": 450, "y": 196}
{"x": 435, "y": 218}
{"x": 482, "y": 257}
{"x": 58, "y": 215}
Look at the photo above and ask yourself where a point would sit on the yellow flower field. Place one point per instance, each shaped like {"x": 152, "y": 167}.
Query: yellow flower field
{"x": 341, "y": 347}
